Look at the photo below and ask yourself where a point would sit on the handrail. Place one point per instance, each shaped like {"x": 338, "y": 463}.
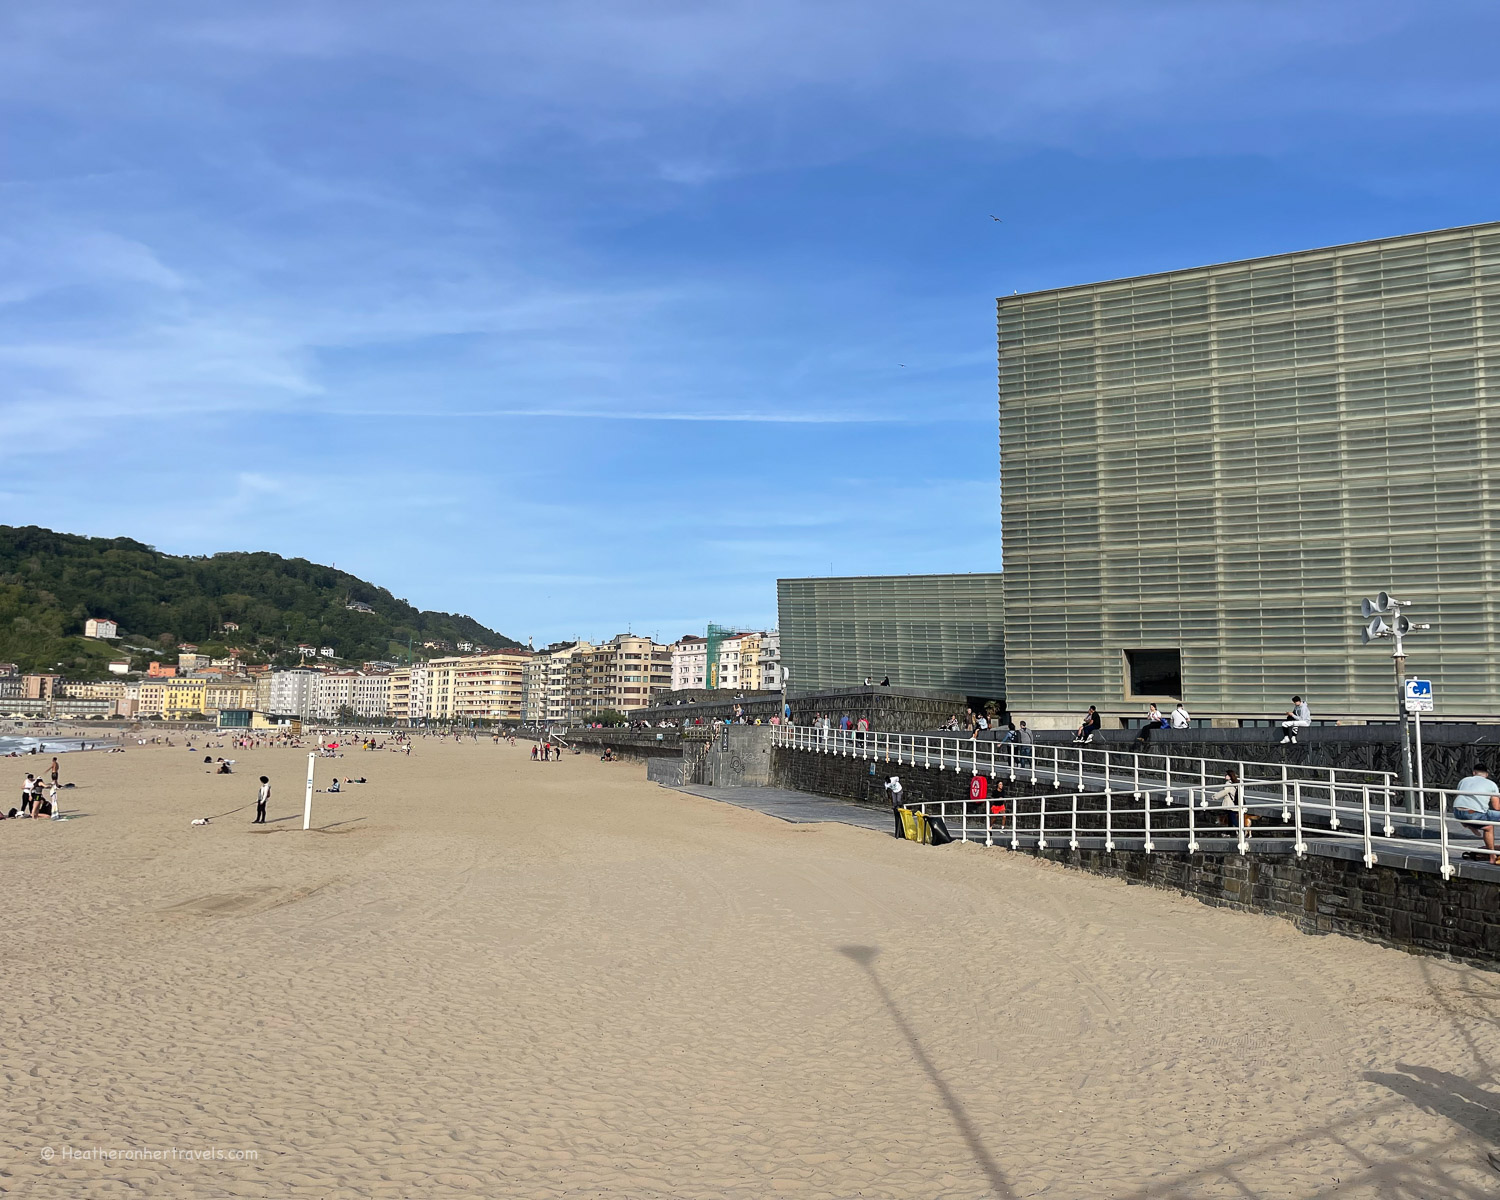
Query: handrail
{"x": 1146, "y": 771}
{"x": 1120, "y": 819}
{"x": 1306, "y": 804}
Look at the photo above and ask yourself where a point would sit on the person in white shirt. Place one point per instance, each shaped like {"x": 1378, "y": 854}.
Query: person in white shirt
{"x": 893, "y": 786}
{"x": 1180, "y": 718}
{"x": 1298, "y": 717}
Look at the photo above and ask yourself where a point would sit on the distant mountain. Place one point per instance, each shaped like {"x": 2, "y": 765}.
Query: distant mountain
{"x": 51, "y": 583}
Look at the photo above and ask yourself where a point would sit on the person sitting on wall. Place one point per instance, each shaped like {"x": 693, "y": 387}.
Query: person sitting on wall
{"x": 1090, "y": 726}
{"x": 1476, "y": 805}
{"x": 1299, "y": 716}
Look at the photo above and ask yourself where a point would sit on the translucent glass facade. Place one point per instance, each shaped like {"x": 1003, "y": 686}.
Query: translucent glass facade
{"x": 929, "y": 631}
{"x": 1222, "y": 461}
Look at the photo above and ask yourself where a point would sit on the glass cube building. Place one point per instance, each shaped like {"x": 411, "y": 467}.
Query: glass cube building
{"x": 1204, "y": 471}
{"x": 924, "y": 631}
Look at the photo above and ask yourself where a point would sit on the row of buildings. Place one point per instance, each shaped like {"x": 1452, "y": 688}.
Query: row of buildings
{"x": 566, "y": 682}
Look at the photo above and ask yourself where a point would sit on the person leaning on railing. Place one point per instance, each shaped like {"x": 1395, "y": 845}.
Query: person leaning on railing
{"x": 1476, "y": 806}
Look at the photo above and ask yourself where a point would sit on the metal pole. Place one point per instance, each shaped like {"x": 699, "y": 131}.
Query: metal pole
{"x": 1421, "y": 797}
{"x": 1399, "y": 657}
{"x": 312, "y": 760}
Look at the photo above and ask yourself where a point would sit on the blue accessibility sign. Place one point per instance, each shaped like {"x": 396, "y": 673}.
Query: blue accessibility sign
{"x": 1419, "y": 695}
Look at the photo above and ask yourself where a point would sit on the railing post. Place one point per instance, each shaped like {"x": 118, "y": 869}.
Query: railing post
{"x": 989, "y": 821}
{"x": 1333, "y": 799}
{"x": 1041, "y": 825}
{"x": 1073, "y": 827}
{"x": 1446, "y": 868}
{"x": 1056, "y": 766}
{"x": 1365, "y": 806}
{"x": 1192, "y": 827}
{"x": 1390, "y": 829}
{"x": 1167, "y": 760}
{"x": 963, "y": 824}
{"x": 1080, "y": 766}
{"x": 1299, "y": 845}
{"x": 1146, "y": 813}
{"x": 1015, "y": 841}
{"x": 1109, "y": 821}
{"x": 1135, "y": 774}
{"x": 1285, "y": 811}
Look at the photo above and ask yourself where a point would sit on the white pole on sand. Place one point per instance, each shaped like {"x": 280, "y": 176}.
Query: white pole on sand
{"x": 307, "y": 803}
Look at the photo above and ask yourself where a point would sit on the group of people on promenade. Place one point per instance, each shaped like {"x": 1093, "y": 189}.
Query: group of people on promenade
{"x": 1298, "y": 717}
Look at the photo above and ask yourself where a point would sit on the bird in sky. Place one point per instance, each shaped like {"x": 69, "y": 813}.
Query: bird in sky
{"x": 993, "y": 217}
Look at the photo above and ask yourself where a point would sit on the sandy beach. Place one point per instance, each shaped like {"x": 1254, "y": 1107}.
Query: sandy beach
{"x": 483, "y": 975}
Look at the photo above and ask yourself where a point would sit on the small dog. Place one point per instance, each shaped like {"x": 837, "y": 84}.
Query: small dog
{"x": 200, "y": 821}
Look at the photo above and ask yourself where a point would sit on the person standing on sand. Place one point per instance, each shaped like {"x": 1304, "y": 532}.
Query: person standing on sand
{"x": 54, "y": 770}
{"x": 261, "y": 800}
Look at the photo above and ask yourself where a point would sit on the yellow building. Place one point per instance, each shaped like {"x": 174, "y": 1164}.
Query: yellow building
{"x": 184, "y": 699}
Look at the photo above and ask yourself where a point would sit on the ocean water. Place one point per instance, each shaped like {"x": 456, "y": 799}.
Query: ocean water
{"x": 44, "y": 745}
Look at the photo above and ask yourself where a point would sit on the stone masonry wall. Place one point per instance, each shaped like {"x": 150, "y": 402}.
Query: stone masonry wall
{"x": 1409, "y": 910}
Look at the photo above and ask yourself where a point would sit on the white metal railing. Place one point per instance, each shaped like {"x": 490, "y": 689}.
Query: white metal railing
{"x": 1097, "y": 769}
{"x": 1117, "y": 819}
{"x": 1337, "y": 804}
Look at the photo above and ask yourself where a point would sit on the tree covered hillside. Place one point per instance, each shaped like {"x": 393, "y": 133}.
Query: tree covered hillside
{"x": 50, "y": 583}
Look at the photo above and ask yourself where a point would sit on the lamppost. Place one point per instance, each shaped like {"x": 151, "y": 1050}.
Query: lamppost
{"x": 1396, "y": 628}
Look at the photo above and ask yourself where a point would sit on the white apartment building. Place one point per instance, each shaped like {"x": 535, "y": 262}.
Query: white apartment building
{"x": 351, "y": 693}
{"x": 770, "y": 661}
{"x": 293, "y": 693}
{"x": 689, "y": 662}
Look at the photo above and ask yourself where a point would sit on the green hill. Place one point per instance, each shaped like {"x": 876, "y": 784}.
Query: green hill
{"x": 50, "y": 583}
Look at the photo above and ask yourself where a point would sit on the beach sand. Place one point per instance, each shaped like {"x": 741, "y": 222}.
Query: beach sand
{"x": 483, "y": 975}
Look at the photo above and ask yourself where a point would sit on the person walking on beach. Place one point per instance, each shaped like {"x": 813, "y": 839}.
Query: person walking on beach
{"x": 261, "y": 800}
{"x": 54, "y": 770}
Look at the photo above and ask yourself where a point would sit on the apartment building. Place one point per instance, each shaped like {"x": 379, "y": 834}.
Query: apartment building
{"x": 183, "y": 699}
{"x": 341, "y": 694}
{"x": 626, "y": 672}
{"x": 293, "y": 692}
{"x": 488, "y": 687}
{"x": 228, "y": 693}
{"x": 689, "y": 662}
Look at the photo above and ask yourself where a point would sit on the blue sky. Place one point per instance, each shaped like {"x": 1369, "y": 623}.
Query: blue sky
{"x": 584, "y": 316}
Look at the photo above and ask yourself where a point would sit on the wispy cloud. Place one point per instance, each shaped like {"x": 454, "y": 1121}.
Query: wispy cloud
{"x": 378, "y": 270}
